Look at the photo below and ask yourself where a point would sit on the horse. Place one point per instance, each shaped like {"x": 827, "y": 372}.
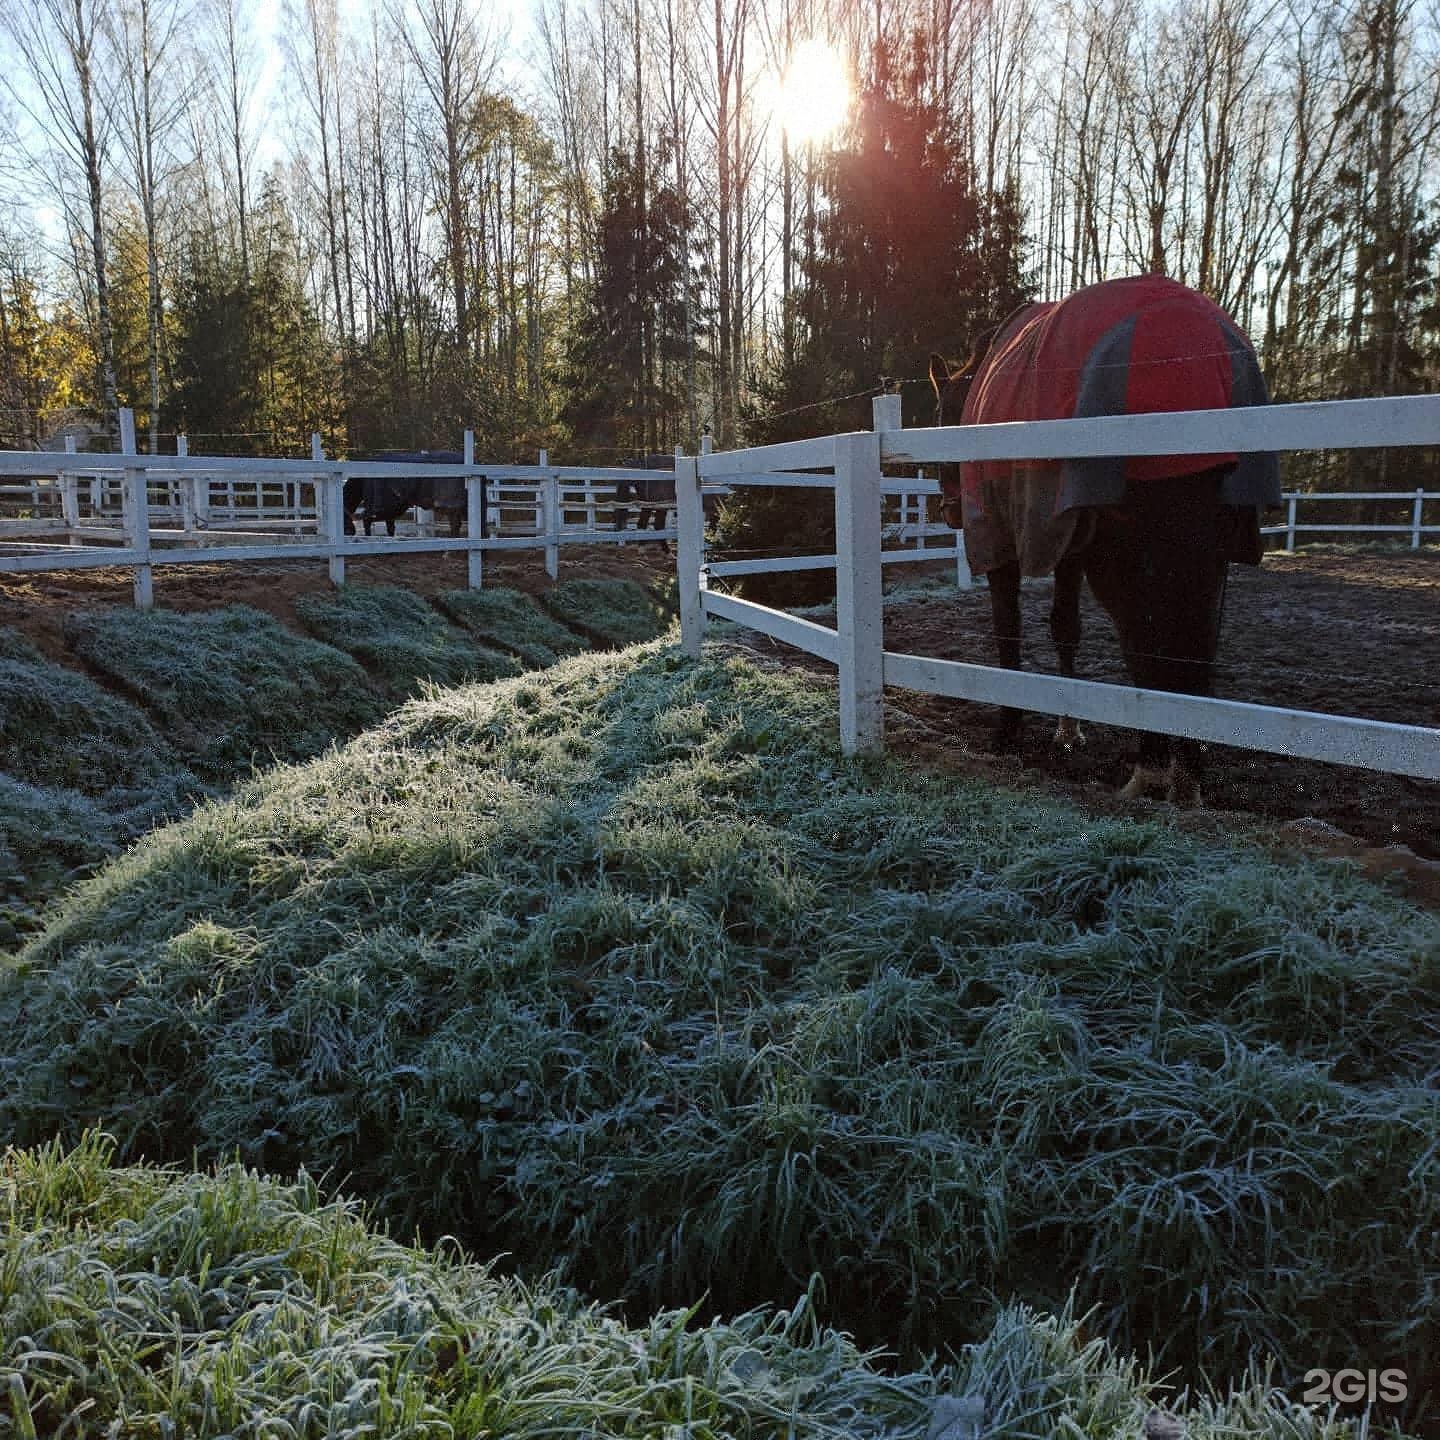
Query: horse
{"x": 1153, "y": 536}
{"x": 387, "y": 498}
{"x": 655, "y": 496}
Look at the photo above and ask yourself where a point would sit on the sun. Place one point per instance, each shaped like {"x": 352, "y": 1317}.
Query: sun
{"x": 812, "y": 98}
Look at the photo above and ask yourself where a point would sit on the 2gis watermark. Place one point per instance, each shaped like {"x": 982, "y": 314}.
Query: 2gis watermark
{"x": 1355, "y": 1387}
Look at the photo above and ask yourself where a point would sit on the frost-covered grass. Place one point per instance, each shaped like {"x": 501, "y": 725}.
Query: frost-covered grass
{"x": 610, "y": 612}
{"x": 512, "y": 621}
{"x": 59, "y": 729}
{"x": 399, "y": 638}
{"x": 48, "y": 838}
{"x": 621, "y": 966}
{"x": 142, "y": 1303}
{"x": 81, "y": 770}
{"x": 228, "y": 688}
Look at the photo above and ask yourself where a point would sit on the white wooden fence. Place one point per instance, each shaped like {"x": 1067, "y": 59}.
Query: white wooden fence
{"x": 852, "y": 464}
{"x": 140, "y": 511}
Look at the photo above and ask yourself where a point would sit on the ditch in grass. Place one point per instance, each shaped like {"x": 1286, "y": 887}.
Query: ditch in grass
{"x": 620, "y": 967}
{"x": 397, "y": 637}
{"x": 147, "y": 1303}
{"x": 511, "y": 620}
{"x": 612, "y": 613}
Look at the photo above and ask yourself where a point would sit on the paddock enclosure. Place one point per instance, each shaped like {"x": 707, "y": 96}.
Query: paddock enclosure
{"x": 1277, "y": 718}
{"x": 1300, "y": 631}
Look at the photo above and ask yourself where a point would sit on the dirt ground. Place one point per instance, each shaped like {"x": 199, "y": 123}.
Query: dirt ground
{"x": 36, "y": 605}
{"x": 1355, "y": 633}
{"x": 1352, "y": 634}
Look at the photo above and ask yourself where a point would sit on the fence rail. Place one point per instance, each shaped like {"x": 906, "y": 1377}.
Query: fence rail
{"x": 851, "y": 464}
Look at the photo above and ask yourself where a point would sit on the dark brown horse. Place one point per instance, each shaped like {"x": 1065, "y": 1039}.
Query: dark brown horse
{"x": 1153, "y": 536}
{"x": 387, "y": 498}
{"x": 655, "y": 496}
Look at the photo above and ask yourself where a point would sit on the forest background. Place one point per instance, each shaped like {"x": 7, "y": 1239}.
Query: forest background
{"x": 602, "y": 226}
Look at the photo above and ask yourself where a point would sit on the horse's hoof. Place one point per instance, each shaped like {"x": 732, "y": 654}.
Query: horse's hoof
{"x": 1142, "y": 782}
{"x": 1068, "y": 733}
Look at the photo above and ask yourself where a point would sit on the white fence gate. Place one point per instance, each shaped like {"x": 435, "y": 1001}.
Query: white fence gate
{"x": 852, "y": 464}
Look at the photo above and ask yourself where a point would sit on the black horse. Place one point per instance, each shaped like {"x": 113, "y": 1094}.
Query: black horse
{"x": 655, "y": 497}
{"x": 1154, "y": 536}
{"x": 386, "y": 499}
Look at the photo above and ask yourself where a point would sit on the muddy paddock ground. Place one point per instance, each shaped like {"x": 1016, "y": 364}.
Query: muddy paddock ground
{"x": 1344, "y": 633}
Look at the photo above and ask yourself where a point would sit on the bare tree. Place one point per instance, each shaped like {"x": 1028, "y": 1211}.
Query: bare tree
{"x": 453, "y": 61}
{"x": 237, "y": 77}
{"x": 55, "y": 43}
{"x": 143, "y": 32}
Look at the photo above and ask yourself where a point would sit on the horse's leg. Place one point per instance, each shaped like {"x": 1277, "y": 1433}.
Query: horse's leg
{"x": 1194, "y": 641}
{"x": 1004, "y": 582}
{"x": 1065, "y": 632}
{"x": 1190, "y": 558}
{"x": 1164, "y": 586}
{"x": 1122, "y": 578}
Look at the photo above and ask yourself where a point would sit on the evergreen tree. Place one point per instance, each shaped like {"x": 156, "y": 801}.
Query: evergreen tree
{"x": 253, "y": 369}
{"x": 908, "y": 258}
{"x": 627, "y": 362}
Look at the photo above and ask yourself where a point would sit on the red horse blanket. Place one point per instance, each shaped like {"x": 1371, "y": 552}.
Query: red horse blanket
{"x": 1123, "y": 347}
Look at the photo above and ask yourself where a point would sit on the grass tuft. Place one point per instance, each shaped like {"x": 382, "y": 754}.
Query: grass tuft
{"x": 59, "y": 729}
{"x": 512, "y": 621}
{"x": 229, "y": 688}
{"x": 613, "y": 613}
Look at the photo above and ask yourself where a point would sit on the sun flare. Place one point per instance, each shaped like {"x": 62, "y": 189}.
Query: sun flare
{"x": 812, "y": 98}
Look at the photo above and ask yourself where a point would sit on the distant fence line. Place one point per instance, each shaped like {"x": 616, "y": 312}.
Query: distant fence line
{"x": 138, "y": 511}
{"x": 850, "y": 465}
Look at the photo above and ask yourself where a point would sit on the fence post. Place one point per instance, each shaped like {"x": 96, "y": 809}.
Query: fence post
{"x": 885, "y": 415}
{"x": 335, "y": 524}
{"x": 318, "y": 484}
{"x": 201, "y": 486}
{"x": 187, "y": 486}
{"x": 885, "y": 412}
{"x": 963, "y": 576}
{"x": 474, "y": 518}
{"x": 70, "y": 497}
{"x": 1290, "y": 524}
{"x": 1415, "y": 520}
{"x": 858, "y": 594}
{"x": 551, "y": 511}
{"x": 136, "y": 500}
{"x": 689, "y": 552}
